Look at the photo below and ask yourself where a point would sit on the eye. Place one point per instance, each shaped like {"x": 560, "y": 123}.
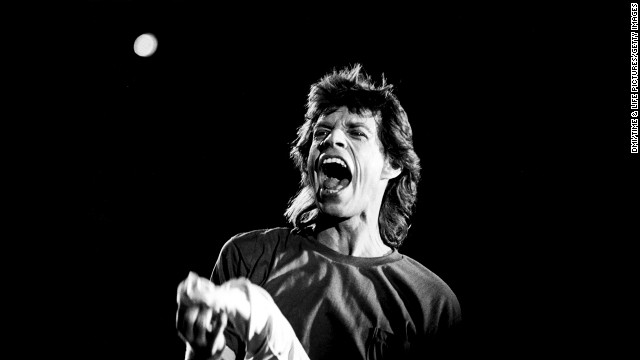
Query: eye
{"x": 358, "y": 133}
{"x": 320, "y": 133}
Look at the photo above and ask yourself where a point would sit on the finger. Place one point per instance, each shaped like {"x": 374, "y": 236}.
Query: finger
{"x": 200, "y": 289}
{"x": 185, "y": 286}
{"x": 182, "y": 316}
{"x": 187, "y": 321}
{"x": 207, "y": 293}
{"x": 180, "y": 313}
{"x": 220, "y": 324}
{"x": 182, "y": 290}
{"x": 202, "y": 326}
{"x": 218, "y": 333}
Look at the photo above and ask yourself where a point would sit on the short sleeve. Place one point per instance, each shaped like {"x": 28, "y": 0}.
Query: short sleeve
{"x": 229, "y": 264}
{"x": 246, "y": 255}
{"x": 227, "y": 267}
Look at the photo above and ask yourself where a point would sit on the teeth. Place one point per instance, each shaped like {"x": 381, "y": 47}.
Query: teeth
{"x": 334, "y": 160}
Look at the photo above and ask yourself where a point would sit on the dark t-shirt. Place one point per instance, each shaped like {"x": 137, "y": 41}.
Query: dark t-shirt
{"x": 343, "y": 306}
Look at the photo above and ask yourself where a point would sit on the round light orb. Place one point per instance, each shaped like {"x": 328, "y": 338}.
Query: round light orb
{"x": 145, "y": 45}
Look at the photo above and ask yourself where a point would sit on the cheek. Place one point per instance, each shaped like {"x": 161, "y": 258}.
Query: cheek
{"x": 371, "y": 164}
{"x": 311, "y": 159}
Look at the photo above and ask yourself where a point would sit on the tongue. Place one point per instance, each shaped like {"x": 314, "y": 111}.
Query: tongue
{"x": 335, "y": 184}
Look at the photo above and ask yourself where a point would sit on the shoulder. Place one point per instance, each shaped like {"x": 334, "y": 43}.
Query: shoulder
{"x": 250, "y": 254}
{"x": 256, "y": 240}
{"x": 424, "y": 278}
{"x": 430, "y": 290}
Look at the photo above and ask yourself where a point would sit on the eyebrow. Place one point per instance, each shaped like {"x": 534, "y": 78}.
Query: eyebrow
{"x": 321, "y": 123}
{"x": 350, "y": 124}
{"x": 359, "y": 125}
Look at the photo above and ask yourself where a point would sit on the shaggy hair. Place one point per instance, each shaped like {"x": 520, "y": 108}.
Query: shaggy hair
{"x": 355, "y": 90}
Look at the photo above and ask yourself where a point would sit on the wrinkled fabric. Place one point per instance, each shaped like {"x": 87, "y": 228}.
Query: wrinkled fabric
{"x": 341, "y": 306}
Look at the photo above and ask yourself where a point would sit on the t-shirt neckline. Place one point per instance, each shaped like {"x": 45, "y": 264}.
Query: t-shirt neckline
{"x": 358, "y": 261}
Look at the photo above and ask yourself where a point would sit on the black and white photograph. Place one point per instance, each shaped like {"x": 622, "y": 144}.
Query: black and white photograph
{"x": 314, "y": 180}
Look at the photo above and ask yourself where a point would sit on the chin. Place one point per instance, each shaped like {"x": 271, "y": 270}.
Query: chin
{"x": 333, "y": 210}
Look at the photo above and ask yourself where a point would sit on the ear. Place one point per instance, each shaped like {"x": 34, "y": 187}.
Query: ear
{"x": 389, "y": 171}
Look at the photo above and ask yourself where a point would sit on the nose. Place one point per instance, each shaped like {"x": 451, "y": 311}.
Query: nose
{"x": 335, "y": 139}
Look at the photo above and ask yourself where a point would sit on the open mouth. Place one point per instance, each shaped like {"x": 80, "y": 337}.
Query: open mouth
{"x": 334, "y": 175}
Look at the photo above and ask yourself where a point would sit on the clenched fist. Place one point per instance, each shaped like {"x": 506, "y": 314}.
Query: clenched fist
{"x": 203, "y": 312}
{"x": 205, "y": 308}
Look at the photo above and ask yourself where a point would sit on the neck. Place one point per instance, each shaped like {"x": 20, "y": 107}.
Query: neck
{"x": 354, "y": 236}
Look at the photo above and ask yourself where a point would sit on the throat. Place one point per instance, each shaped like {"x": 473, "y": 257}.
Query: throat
{"x": 353, "y": 241}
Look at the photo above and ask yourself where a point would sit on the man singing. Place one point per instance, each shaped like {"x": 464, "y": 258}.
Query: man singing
{"x": 334, "y": 285}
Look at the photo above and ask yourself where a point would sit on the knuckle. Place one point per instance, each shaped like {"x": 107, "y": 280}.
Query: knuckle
{"x": 185, "y": 320}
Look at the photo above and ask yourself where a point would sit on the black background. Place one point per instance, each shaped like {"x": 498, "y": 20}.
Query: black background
{"x": 146, "y": 166}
